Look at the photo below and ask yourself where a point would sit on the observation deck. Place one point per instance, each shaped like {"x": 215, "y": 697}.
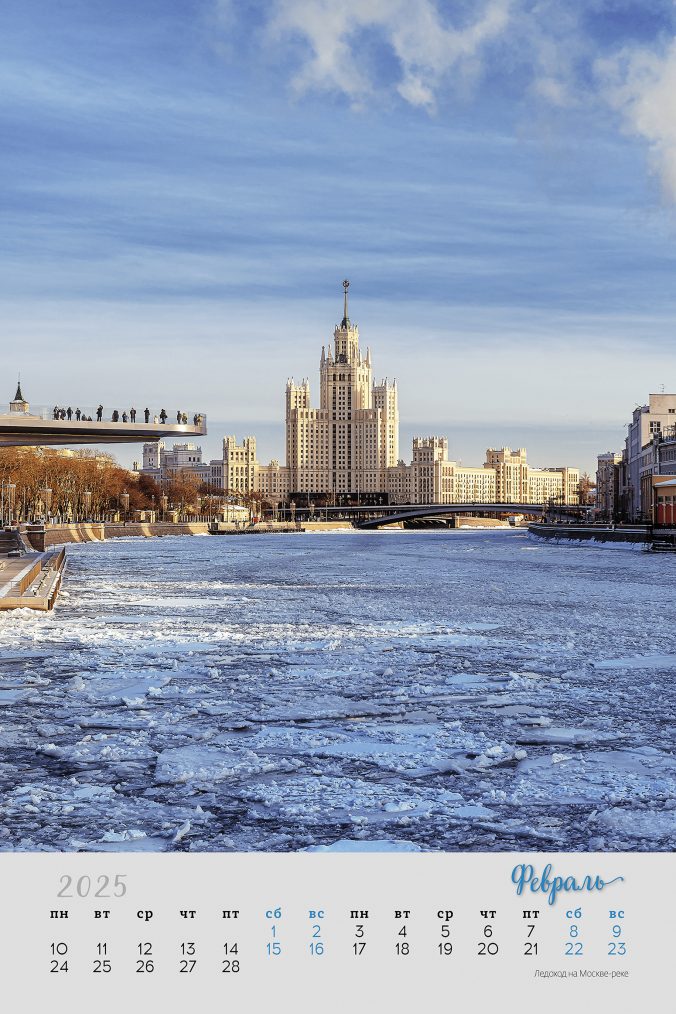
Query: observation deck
{"x": 40, "y": 426}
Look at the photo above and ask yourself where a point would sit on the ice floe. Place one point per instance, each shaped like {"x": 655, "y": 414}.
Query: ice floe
{"x": 433, "y": 691}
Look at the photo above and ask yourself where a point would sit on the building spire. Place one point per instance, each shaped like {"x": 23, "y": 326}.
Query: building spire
{"x": 18, "y": 396}
{"x": 346, "y": 320}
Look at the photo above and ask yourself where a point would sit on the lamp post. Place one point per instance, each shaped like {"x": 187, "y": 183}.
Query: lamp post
{"x": 124, "y": 503}
{"x": 7, "y": 491}
{"x": 46, "y": 496}
{"x": 312, "y": 511}
{"x": 292, "y": 508}
{"x": 12, "y": 491}
{"x": 164, "y": 503}
{"x": 87, "y": 498}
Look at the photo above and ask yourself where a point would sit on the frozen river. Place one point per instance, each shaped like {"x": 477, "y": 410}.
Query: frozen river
{"x": 438, "y": 690}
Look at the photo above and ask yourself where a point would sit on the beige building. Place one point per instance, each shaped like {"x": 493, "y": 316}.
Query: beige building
{"x": 347, "y": 449}
{"x": 432, "y": 478}
{"x": 272, "y": 482}
{"x": 552, "y": 484}
{"x": 343, "y": 448}
{"x": 608, "y": 484}
{"x": 161, "y": 463}
{"x": 656, "y": 420}
{"x": 505, "y": 478}
{"x": 511, "y": 473}
{"x": 239, "y": 465}
{"x": 518, "y": 482}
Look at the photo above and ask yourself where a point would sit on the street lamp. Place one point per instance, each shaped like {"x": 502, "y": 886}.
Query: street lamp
{"x": 8, "y": 489}
{"x": 87, "y": 497}
{"x": 164, "y": 503}
{"x": 46, "y": 497}
{"x": 292, "y": 508}
{"x": 124, "y": 503}
{"x": 312, "y": 511}
{"x": 12, "y": 491}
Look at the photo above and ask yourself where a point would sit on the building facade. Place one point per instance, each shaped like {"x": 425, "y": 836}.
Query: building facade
{"x": 626, "y": 481}
{"x": 608, "y": 485}
{"x": 343, "y": 448}
{"x": 346, "y": 450}
{"x": 161, "y": 463}
{"x": 650, "y": 425}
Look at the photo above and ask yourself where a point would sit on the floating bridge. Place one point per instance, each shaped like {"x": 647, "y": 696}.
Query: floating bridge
{"x": 56, "y": 426}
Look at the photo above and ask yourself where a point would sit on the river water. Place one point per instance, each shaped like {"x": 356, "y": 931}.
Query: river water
{"x": 451, "y": 690}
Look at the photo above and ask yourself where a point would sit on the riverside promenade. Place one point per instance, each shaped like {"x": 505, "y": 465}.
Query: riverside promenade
{"x": 28, "y": 579}
{"x": 656, "y": 539}
{"x": 33, "y": 557}
{"x": 44, "y": 537}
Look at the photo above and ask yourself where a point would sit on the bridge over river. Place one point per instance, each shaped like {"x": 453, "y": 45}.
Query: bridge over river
{"x": 371, "y": 517}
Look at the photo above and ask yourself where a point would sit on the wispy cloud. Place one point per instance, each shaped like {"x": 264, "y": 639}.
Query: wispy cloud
{"x": 169, "y": 208}
{"x": 590, "y": 54}
{"x": 641, "y": 85}
{"x": 426, "y": 46}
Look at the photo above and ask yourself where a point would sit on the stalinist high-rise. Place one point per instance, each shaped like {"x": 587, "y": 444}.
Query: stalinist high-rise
{"x": 347, "y": 450}
{"x": 344, "y": 447}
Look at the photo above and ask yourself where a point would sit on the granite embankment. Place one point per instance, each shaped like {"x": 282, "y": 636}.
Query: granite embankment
{"x": 42, "y": 538}
{"x": 31, "y": 580}
{"x": 641, "y": 536}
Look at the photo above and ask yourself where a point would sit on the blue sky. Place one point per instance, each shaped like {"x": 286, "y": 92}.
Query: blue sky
{"x": 185, "y": 185}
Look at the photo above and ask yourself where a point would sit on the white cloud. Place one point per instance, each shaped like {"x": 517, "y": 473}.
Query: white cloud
{"x": 427, "y": 49}
{"x": 641, "y": 85}
{"x": 543, "y": 46}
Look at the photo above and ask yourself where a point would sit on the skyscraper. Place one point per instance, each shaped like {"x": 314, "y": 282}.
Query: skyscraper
{"x": 347, "y": 450}
{"x": 345, "y": 446}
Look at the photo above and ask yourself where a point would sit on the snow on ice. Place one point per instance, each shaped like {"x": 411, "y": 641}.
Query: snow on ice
{"x": 434, "y": 691}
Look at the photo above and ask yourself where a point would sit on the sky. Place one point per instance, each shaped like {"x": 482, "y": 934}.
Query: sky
{"x": 184, "y": 185}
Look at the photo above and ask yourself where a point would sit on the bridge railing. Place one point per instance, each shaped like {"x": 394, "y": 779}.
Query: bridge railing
{"x": 143, "y": 413}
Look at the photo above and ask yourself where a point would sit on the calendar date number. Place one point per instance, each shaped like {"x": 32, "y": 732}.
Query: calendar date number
{"x": 92, "y": 887}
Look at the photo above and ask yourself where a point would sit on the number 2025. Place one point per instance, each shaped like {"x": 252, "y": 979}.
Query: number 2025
{"x": 98, "y": 887}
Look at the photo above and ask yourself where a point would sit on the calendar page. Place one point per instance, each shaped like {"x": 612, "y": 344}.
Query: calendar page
{"x": 302, "y": 932}
{"x": 337, "y": 506}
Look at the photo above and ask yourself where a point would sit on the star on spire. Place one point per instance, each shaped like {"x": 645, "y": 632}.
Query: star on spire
{"x": 346, "y": 320}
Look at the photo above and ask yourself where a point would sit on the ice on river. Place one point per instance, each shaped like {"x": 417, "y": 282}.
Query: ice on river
{"x": 433, "y": 691}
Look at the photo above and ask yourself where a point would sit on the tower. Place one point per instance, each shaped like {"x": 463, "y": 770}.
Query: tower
{"x": 19, "y": 403}
{"x": 342, "y": 448}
